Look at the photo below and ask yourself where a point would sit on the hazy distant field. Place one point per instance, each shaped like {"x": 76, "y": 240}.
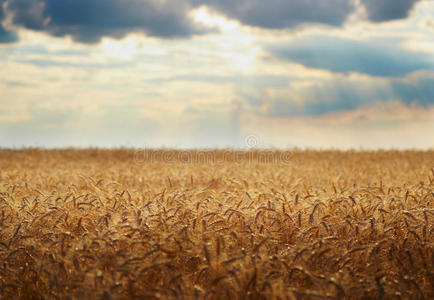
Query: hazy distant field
{"x": 231, "y": 225}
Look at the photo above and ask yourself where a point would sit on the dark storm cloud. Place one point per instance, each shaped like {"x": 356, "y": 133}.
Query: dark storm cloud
{"x": 385, "y": 10}
{"x": 89, "y": 20}
{"x": 344, "y": 56}
{"x": 279, "y": 14}
{"x": 5, "y": 35}
{"x": 28, "y": 13}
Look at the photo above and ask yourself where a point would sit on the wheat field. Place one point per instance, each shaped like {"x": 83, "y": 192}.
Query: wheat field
{"x": 127, "y": 224}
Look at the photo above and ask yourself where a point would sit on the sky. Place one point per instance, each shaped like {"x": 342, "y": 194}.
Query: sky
{"x": 345, "y": 74}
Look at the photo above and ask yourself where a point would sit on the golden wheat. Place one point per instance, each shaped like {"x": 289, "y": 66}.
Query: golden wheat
{"x": 123, "y": 224}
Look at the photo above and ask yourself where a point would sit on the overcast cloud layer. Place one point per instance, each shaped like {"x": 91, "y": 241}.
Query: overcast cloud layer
{"x": 190, "y": 73}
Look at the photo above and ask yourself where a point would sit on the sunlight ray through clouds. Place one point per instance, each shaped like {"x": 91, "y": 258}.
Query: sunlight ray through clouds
{"x": 197, "y": 73}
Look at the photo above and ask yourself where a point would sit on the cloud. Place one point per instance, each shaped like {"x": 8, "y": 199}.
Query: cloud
{"x": 429, "y": 24}
{"x": 279, "y": 14}
{"x": 5, "y": 35}
{"x": 386, "y": 10}
{"x": 316, "y": 98}
{"x": 28, "y": 13}
{"x": 420, "y": 89}
{"x": 84, "y": 65}
{"x": 345, "y": 56}
{"x": 391, "y": 110}
{"x": 88, "y": 21}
